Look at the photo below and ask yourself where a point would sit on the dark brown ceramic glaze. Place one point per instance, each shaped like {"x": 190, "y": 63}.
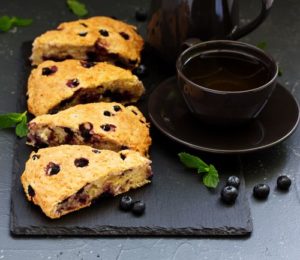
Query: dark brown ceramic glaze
{"x": 173, "y": 21}
{"x": 170, "y": 115}
{"x": 226, "y": 107}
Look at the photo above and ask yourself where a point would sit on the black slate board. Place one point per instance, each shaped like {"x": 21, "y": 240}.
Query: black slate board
{"x": 177, "y": 203}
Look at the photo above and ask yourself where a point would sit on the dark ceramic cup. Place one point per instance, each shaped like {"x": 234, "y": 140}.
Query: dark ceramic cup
{"x": 226, "y": 107}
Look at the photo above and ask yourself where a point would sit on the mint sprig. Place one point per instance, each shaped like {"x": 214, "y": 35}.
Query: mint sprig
{"x": 262, "y": 45}
{"x": 210, "y": 174}
{"x": 6, "y": 22}
{"x": 17, "y": 120}
{"x": 77, "y": 8}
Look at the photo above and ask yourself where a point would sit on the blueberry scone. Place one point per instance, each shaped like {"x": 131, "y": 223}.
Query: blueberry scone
{"x": 67, "y": 178}
{"x": 96, "y": 39}
{"x": 101, "y": 125}
{"x": 54, "y": 86}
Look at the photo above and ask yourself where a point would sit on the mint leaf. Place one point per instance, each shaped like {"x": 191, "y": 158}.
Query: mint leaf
{"x": 193, "y": 162}
{"x": 77, "y": 8}
{"x": 22, "y": 22}
{"x": 211, "y": 178}
{"x": 6, "y": 22}
{"x": 21, "y": 128}
{"x": 279, "y": 72}
{"x": 10, "y": 120}
{"x": 18, "y": 120}
{"x": 262, "y": 45}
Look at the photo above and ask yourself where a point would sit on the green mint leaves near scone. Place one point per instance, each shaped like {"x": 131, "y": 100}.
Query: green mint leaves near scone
{"x": 6, "y": 22}
{"x": 17, "y": 120}
{"x": 77, "y": 8}
{"x": 210, "y": 173}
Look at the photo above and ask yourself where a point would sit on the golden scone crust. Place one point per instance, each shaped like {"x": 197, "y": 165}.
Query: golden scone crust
{"x": 102, "y": 125}
{"x": 100, "y": 38}
{"x": 53, "y": 175}
{"x": 52, "y": 83}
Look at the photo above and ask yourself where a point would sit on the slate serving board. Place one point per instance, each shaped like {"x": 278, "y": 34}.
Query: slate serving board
{"x": 177, "y": 204}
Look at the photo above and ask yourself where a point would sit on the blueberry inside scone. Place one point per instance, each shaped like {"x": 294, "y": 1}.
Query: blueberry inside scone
{"x": 69, "y": 177}
{"x": 55, "y": 86}
{"x": 102, "y": 125}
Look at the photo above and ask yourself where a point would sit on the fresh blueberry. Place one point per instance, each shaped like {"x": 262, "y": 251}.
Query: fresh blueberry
{"x": 141, "y": 14}
{"x": 126, "y": 203}
{"x": 124, "y": 35}
{"x": 261, "y": 191}
{"x": 47, "y": 71}
{"x": 283, "y": 182}
{"x": 233, "y": 181}
{"x": 30, "y": 191}
{"x": 82, "y": 34}
{"x": 52, "y": 169}
{"x": 229, "y": 194}
{"x": 117, "y": 108}
{"x": 72, "y": 83}
{"x": 107, "y": 113}
{"x": 104, "y": 33}
{"x": 138, "y": 208}
{"x": 81, "y": 162}
{"x": 141, "y": 70}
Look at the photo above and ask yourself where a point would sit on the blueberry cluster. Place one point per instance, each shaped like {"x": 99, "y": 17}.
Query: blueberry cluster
{"x": 230, "y": 192}
{"x": 128, "y": 204}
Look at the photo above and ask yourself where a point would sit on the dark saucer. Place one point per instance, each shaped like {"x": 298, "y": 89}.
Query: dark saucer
{"x": 170, "y": 115}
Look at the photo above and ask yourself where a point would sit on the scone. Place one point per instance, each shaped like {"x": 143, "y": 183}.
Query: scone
{"x": 54, "y": 86}
{"x": 101, "y": 125}
{"x": 67, "y": 178}
{"x": 96, "y": 39}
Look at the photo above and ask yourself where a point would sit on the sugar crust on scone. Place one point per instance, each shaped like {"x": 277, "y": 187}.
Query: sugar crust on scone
{"x": 55, "y": 179}
{"x": 97, "y": 38}
{"x": 54, "y": 86}
{"x": 101, "y": 125}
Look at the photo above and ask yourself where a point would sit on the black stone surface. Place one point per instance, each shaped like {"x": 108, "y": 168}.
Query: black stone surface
{"x": 177, "y": 204}
{"x": 276, "y": 221}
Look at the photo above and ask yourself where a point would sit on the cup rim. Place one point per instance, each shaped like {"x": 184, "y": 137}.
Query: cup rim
{"x": 227, "y": 42}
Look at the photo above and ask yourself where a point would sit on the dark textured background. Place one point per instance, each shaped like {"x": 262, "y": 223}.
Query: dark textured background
{"x": 276, "y": 222}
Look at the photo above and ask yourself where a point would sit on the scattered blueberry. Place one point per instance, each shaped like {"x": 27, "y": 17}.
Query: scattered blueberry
{"x": 117, "y": 108}
{"x": 141, "y": 14}
{"x": 104, "y": 33}
{"x": 107, "y": 113}
{"x": 123, "y": 157}
{"x": 229, "y": 194}
{"x": 126, "y": 203}
{"x": 283, "y": 182}
{"x": 141, "y": 70}
{"x": 138, "y": 207}
{"x": 233, "y": 181}
{"x": 72, "y": 83}
{"x": 47, "y": 71}
{"x": 31, "y": 191}
{"x": 124, "y": 35}
{"x": 85, "y": 130}
{"x": 124, "y": 147}
{"x": 108, "y": 127}
{"x": 96, "y": 151}
{"x": 52, "y": 169}
{"x": 261, "y": 191}
{"x": 81, "y": 162}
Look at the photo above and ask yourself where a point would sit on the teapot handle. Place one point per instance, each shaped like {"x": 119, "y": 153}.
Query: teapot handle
{"x": 239, "y": 32}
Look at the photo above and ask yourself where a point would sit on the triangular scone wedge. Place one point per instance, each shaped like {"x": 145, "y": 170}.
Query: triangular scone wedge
{"x": 97, "y": 38}
{"x": 55, "y": 86}
{"x": 102, "y": 125}
{"x": 67, "y": 178}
